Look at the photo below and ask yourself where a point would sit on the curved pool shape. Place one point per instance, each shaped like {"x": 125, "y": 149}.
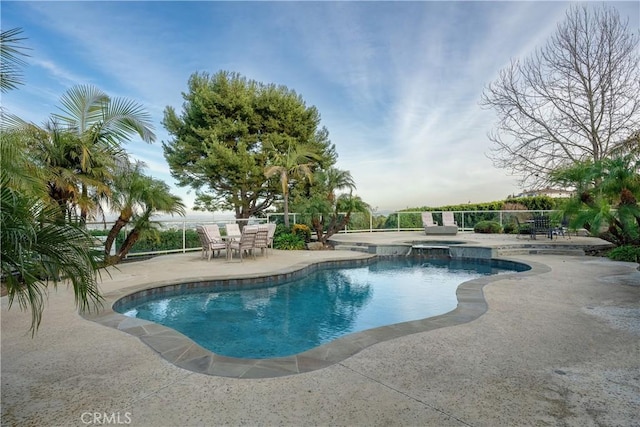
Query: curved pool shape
{"x": 296, "y": 316}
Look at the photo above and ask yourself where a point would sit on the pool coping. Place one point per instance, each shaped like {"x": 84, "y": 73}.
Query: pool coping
{"x": 183, "y": 352}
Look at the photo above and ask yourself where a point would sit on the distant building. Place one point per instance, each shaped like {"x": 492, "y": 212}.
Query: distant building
{"x": 550, "y": 192}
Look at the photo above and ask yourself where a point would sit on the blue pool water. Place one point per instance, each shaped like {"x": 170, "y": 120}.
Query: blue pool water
{"x": 296, "y": 316}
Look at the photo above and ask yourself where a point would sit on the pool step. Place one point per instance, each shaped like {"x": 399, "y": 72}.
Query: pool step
{"x": 357, "y": 248}
{"x": 538, "y": 251}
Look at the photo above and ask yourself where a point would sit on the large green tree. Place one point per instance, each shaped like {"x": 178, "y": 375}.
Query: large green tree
{"x": 229, "y": 129}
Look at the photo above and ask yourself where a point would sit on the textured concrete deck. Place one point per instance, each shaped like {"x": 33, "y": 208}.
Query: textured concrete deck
{"x": 560, "y": 346}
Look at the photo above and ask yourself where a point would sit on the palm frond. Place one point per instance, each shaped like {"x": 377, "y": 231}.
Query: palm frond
{"x": 39, "y": 249}
{"x": 11, "y": 59}
{"x": 82, "y": 106}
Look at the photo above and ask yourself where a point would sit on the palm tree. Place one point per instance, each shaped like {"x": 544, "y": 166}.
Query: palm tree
{"x": 36, "y": 248}
{"x": 337, "y": 179}
{"x": 296, "y": 162}
{"x": 350, "y": 203}
{"x": 70, "y": 168}
{"x": 331, "y": 211}
{"x": 20, "y": 172}
{"x": 607, "y": 193}
{"x": 100, "y": 125}
{"x": 137, "y": 198}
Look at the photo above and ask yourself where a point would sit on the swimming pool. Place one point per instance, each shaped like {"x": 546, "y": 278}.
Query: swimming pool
{"x": 276, "y": 321}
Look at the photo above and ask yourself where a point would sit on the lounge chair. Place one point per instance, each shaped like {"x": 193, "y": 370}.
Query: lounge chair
{"x": 245, "y": 243}
{"x": 427, "y": 220}
{"x": 432, "y": 228}
{"x": 448, "y": 219}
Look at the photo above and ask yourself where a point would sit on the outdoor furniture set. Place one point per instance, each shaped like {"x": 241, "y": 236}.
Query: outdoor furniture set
{"x": 247, "y": 241}
{"x": 540, "y": 224}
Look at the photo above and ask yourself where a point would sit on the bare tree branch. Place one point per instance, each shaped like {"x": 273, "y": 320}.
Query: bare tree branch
{"x": 575, "y": 99}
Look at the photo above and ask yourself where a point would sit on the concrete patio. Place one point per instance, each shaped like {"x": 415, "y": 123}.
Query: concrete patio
{"x": 558, "y": 345}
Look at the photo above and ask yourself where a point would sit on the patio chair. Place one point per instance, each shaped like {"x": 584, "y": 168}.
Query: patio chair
{"x": 448, "y": 219}
{"x": 208, "y": 245}
{"x": 245, "y": 243}
{"x": 204, "y": 241}
{"x": 271, "y": 233}
{"x": 215, "y": 239}
{"x": 213, "y": 231}
{"x": 262, "y": 239}
{"x": 560, "y": 229}
{"x": 232, "y": 230}
{"x": 541, "y": 225}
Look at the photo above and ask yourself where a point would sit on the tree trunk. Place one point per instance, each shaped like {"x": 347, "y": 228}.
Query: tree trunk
{"x": 286, "y": 211}
{"x": 318, "y": 226}
{"x": 83, "y": 209}
{"x": 333, "y": 228}
{"x": 131, "y": 239}
{"x": 120, "y": 223}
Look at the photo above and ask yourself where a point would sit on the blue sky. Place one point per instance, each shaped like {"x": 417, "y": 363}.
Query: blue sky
{"x": 397, "y": 84}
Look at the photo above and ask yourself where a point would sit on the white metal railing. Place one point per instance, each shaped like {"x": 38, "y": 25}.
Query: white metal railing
{"x": 396, "y": 221}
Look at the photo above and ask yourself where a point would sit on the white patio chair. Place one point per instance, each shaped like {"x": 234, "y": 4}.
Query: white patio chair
{"x": 208, "y": 244}
{"x": 245, "y": 243}
{"x": 232, "y": 230}
{"x": 272, "y": 231}
{"x": 262, "y": 239}
{"x": 215, "y": 239}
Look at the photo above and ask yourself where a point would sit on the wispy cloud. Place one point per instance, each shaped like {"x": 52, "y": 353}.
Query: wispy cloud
{"x": 397, "y": 83}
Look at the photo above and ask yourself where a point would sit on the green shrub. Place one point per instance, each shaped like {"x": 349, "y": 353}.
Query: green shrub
{"x": 288, "y": 242}
{"x": 166, "y": 240}
{"x": 625, "y": 253}
{"x": 281, "y": 229}
{"x": 510, "y": 228}
{"x": 487, "y": 227}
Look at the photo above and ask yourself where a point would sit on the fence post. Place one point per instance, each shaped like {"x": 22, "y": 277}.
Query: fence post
{"x": 184, "y": 237}
{"x": 398, "y": 213}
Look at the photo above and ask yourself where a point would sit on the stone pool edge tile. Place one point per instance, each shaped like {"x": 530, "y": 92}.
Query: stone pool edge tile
{"x": 181, "y": 351}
